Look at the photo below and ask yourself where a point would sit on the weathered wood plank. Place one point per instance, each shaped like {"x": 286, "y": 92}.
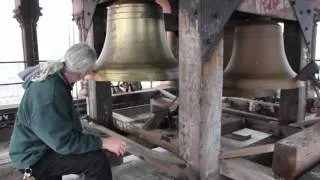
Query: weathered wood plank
{"x": 273, "y": 128}
{"x": 295, "y": 154}
{"x": 153, "y": 138}
{"x": 274, "y": 8}
{"x": 306, "y": 122}
{"x": 200, "y": 91}
{"x": 242, "y": 169}
{"x": 168, "y": 163}
{"x": 200, "y": 78}
{"x": 249, "y": 151}
{"x": 248, "y": 114}
{"x": 253, "y": 106}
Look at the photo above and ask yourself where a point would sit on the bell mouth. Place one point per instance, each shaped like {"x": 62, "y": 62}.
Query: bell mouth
{"x": 263, "y": 83}
{"x": 136, "y": 74}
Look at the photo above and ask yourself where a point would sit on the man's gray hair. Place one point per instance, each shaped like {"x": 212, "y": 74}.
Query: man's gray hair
{"x": 79, "y": 58}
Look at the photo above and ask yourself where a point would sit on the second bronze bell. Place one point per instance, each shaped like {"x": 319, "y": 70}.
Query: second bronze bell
{"x": 258, "y": 65}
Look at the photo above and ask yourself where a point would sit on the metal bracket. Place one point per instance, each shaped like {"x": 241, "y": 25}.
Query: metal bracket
{"x": 217, "y": 13}
{"x": 89, "y": 7}
{"x": 307, "y": 17}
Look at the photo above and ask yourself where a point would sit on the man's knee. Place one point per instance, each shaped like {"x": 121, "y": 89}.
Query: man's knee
{"x": 100, "y": 159}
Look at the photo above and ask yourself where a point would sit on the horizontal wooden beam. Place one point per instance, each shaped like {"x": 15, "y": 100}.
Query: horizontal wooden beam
{"x": 150, "y": 136}
{"x": 253, "y": 106}
{"x": 248, "y": 114}
{"x": 242, "y": 169}
{"x": 274, "y": 8}
{"x": 168, "y": 163}
{"x": 297, "y": 153}
{"x": 306, "y": 122}
{"x": 271, "y": 127}
{"x": 248, "y": 151}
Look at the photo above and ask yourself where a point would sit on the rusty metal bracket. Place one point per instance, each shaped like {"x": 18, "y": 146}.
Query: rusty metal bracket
{"x": 89, "y": 7}
{"x": 307, "y": 17}
{"x": 216, "y": 15}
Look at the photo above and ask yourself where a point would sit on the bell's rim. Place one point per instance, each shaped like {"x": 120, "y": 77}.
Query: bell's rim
{"x": 262, "y": 83}
{"x": 134, "y": 3}
{"x": 136, "y": 75}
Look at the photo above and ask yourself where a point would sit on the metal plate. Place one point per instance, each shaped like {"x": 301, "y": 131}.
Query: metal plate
{"x": 305, "y": 14}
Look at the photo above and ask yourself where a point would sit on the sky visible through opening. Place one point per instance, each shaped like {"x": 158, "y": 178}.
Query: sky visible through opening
{"x": 56, "y": 32}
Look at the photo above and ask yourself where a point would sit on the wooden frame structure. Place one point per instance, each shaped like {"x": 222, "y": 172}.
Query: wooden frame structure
{"x": 200, "y": 77}
{"x": 203, "y": 118}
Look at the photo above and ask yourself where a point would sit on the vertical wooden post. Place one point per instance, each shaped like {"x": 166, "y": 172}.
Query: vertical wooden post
{"x": 78, "y": 17}
{"x": 200, "y": 76}
{"x": 100, "y": 99}
{"x": 27, "y": 13}
{"x": 293, "y": 101}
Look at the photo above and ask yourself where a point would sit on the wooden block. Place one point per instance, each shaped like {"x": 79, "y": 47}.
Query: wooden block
{"x": 229, "y": 144}
{"x": 242, "y": 169}
{"x": 230, "y": 123}
{"x": 296, "y": 153}
{"x": 249, "y": 151}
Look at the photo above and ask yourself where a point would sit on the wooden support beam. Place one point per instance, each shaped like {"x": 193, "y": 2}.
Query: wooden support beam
{"x": 168, "y": 163}
{"x": 295, "y": 154}
{"x": 242, "y": 169}
{"x": 201, "y": 25}
{"x": 167, "y": 94}
{"x": 249, "y": 151}
{"x": 280, "y": 9}
{"x": 151, "y": 137}
{"x": 271, "y": 127}
{"x": 201, "y": 91}
{"x": 293, "y": 101}
{"x": 248, "y": 114}
{"x": 253, "y": 106}
{"x": 306, "y": 122}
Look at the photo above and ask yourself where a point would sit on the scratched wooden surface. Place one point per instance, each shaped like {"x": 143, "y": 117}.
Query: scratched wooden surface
{"x": 200, "y": 89}
{"x": 276, "y": 8}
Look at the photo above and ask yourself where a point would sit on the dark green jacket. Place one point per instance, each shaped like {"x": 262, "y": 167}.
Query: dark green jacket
{"x": 46, "y": 119}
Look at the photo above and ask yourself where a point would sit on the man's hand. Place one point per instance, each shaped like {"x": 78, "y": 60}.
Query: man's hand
{"x": 114, "y": 145}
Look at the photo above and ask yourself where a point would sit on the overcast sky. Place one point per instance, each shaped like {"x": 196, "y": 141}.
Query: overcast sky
{"x": 55, "y": 30}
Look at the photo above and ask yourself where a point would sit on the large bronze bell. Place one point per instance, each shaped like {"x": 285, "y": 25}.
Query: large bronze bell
{"x": 136, "y": 47}
{"x": 258, "y": 64}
